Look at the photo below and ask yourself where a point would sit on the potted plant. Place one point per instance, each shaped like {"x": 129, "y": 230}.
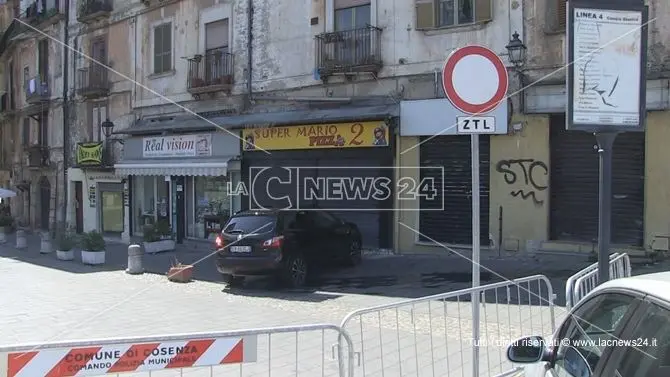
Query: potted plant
{"x": 92, "y": 248}
{"x": 180, "y": 273}
{"x": 64, "y": 250}
{"x": 158, "y": 237}
{"x": 6, "y": 223}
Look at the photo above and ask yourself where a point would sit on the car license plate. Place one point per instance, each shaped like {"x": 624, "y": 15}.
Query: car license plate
{"x": 240, "y": 249}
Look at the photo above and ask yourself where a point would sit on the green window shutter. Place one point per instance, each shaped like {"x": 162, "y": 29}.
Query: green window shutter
{"x": 483, "y": 10}
{"x": 561, "y": 14}
{"x": 425, "y": 14}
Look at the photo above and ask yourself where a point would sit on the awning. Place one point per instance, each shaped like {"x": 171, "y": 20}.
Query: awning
{"x": 284, "y": 118}
{"x": 213, "y": 169}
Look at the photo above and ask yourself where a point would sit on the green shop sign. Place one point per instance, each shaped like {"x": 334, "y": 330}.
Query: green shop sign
{"x": 89, "y": 154}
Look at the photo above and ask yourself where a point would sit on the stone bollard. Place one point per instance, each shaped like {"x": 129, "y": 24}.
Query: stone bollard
{"x": 135, "y": 254}
{"x": 45, "y": 244}
{"x": 21, "y": 242}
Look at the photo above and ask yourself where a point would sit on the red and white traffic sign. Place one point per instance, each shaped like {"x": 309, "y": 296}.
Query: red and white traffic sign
{"x": 474, "y": 79}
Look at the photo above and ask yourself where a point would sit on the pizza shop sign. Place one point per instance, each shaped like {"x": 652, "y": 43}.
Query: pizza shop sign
{"x": 177, "y": 146}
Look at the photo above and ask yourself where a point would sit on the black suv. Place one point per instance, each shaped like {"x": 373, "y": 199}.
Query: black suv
{"x": 284, "y": 243}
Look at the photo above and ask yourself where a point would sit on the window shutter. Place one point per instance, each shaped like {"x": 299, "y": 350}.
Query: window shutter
{"x": 561, "y": 14}
{"x": 167, "y": 47}
{"x": 157, "y": 49}
{"x": 216, "y": 34}
{"x": 425, "y": 14}
{"x": 483, "y": 10}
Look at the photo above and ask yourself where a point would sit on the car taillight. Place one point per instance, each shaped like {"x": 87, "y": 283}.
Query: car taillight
{"x": 274, "y": 242}
{"x": 219, "y": 242}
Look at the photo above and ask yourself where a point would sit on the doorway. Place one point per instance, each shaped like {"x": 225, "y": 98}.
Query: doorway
{"x": 79, "y": 206}
{"x": 45, "y": 202}
{"x": 180, "y": 216}
{"x": 110, "y": 207}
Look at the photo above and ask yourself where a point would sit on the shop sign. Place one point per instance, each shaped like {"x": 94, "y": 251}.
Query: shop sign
{"x": 321, "y": 136}
{"x": 89, "y": 154}
{"x": 177, "y": 146}
{"x": 92, "y": 196}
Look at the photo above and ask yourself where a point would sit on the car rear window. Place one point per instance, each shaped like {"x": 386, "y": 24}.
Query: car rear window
{"x": 250, "y": 224}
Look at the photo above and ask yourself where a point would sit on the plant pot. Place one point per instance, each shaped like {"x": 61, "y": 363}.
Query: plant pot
{"x": 21, "y": 242}
{"x": 180, "y": 274}
{"x": 65, "y": 254}
{"x": 45, "y": 244}
{"x": 93, "y": 257}
{"x": 158, "y": 246}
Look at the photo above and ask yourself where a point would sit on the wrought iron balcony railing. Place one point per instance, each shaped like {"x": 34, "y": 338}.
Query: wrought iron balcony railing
{"x": 211, "y": 72}
{"x": 93, "y": 82}
{"x": 38, "y": 156}
{"x": 90, "y": 10}
{"x": 349, "y": 51}
{"x": 37, "y": 90}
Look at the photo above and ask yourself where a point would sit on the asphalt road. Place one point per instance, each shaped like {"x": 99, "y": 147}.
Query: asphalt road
{"x": 47, "y": 300}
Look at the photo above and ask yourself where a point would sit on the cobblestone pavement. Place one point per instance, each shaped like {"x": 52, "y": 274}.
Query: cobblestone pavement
{"x": 47, "y": 300}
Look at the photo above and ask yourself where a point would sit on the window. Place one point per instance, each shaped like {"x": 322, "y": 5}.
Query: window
{"x": 217, "y": 62}
{"x": 216, "y": 36}
{"x": 598, "y": 320}
{"x": 432, "y": 14}
{"x": 211, "y": 205}
{"x": 98, "y": 115}
{"x": 25, "y": 132}
{"x": 26, "y": 76}
{"x": 163, "y": 48}
{"x": 351, "y": 14}
{"x": 251, "y": 224}
{"x": 650, "y": 357}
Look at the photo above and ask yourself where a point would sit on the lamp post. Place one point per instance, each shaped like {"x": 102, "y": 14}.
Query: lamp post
{"x": 517, "y": 56}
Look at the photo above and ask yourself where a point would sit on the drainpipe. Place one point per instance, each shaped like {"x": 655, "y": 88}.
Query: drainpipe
{"x": 250, "y": 49}
{"x": 66, "y": 118}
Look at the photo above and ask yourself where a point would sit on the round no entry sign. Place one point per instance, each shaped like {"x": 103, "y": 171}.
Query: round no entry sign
{"x": 474, "y": 79}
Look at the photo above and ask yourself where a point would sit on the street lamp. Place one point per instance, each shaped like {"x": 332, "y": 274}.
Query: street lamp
{"x": 516, "y": 50}
{"x": 108, "y": 128}
{"x": 517, "y": 56}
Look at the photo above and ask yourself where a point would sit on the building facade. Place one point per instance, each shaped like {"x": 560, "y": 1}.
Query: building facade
{"x": 32, "y": 108}
{"x": 186, "y": 73}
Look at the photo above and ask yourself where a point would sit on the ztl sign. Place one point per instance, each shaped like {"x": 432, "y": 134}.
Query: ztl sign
{"x": 476, "y": 125}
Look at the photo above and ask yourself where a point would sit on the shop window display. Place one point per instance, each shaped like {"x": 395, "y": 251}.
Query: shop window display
{"x": 212, "y": 206}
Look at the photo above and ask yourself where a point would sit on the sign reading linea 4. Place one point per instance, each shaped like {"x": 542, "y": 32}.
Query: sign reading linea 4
{"x": 177, "y": 146}
{"x": 321, "y": 136}
{"x": 607, "y": 82}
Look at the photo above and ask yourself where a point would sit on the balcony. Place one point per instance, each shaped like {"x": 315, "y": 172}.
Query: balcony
{"x": 93, "y": 10}
{"x": 92, "y": 82}
{"x": 210, "y": 73}
{"x": 94, "y": 154}
{"x": 38, "y": 156}
{"x": 37, "y": 90}
{"x": 349, "y": 52}
{"x": 42, "y": 12}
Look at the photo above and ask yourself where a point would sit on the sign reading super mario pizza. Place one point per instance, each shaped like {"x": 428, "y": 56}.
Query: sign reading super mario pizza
{"x": 319, "y": 136}
{"x": 118, "y": 358}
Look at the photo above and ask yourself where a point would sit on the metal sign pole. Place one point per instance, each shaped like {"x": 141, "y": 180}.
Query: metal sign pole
{"x": 605, "y": 145}
{"x": 475, "y": 252}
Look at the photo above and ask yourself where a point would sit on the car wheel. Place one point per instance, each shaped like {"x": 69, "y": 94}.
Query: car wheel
{"x": 233, "y": 281}
{"x": 295, "y": 271}
{"x": 355, "y": 255}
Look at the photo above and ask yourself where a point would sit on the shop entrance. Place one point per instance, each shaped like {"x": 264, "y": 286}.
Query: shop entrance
{"x": 180, "y": 215}
{"x": 45, "y": 202}
{"x": 111, "y": 208}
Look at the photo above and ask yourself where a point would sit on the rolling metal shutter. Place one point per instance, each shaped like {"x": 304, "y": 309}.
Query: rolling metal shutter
{"x": 454, "y": 224}
{"x": 373, "y": 217}
{"x": 574, "y": 186}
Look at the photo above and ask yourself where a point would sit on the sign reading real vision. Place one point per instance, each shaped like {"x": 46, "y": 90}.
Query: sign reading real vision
{"x": 322, "y": 136}
{"x": 89, "y": 154}
{"x": 177, "y": 146}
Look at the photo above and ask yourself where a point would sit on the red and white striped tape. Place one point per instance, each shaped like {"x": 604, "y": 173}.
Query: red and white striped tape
{"x": 118, "y": 358}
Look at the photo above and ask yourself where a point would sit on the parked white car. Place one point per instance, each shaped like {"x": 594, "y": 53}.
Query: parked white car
{"x": 621, "y": 329}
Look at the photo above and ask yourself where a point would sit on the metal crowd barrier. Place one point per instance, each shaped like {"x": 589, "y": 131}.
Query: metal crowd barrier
{"x": 275, "y": 351}
{"x": 584, "y": 281}
{"x": 432, "y": 336}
